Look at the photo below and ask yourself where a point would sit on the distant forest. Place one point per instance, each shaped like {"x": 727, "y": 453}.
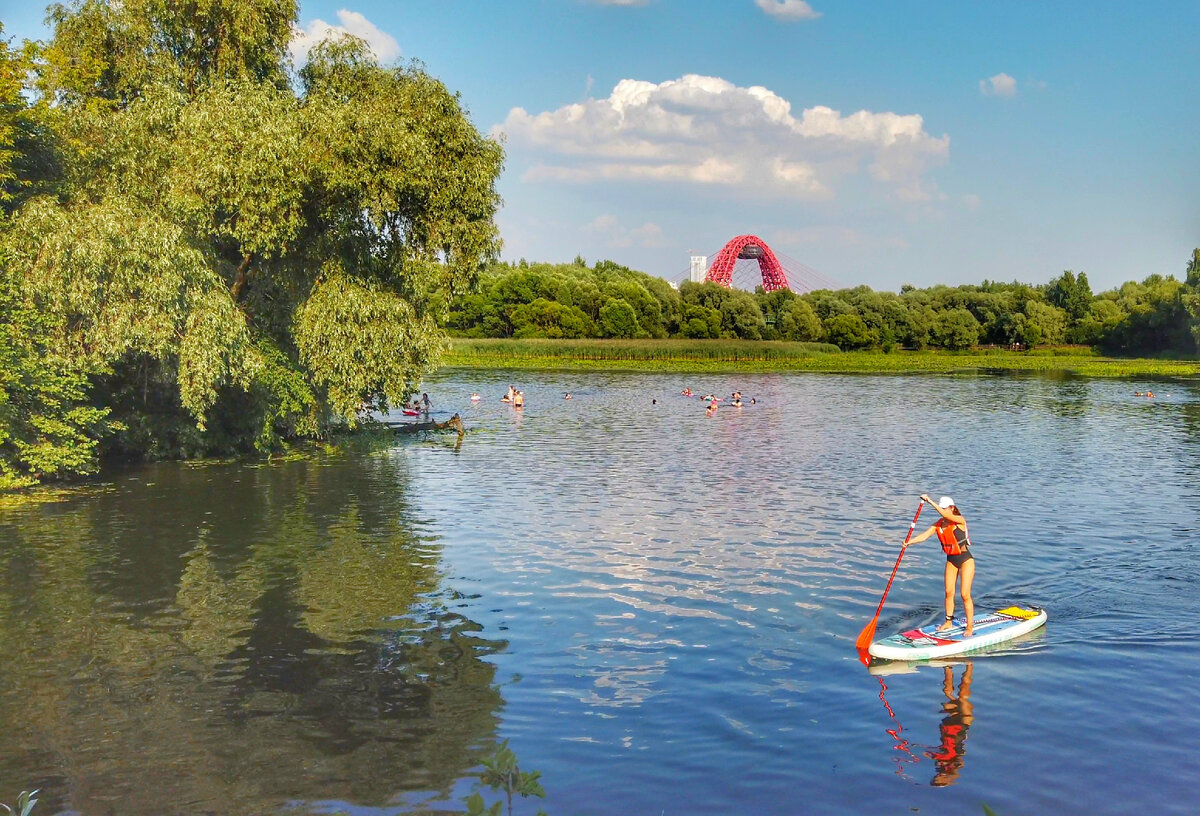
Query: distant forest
{"x": 1158, "y": 316}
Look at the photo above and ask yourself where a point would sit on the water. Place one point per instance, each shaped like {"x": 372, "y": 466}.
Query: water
{"x": 656, "y": 608}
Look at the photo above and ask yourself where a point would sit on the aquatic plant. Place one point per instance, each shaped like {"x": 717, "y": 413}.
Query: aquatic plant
{"x": 25, "y": 802}
{"x": 503, "y": 775}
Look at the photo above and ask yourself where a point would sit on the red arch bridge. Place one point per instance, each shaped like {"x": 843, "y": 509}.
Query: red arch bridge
{"x": 746, "y": 260}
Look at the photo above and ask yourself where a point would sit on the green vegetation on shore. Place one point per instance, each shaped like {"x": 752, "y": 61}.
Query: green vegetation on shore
{"x": 750, "y": 356}
{"x": 205, "y": 249}
{"x": 1160, "y": 316}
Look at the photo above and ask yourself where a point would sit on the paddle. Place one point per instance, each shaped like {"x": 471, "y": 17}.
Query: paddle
{"x": 868, "y": 633}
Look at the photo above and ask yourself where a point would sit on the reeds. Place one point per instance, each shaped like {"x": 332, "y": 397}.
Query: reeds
{"x": 751, "y": 355}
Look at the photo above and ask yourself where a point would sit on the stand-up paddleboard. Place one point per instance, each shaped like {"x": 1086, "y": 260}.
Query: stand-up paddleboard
{"x": 990, "y": 628}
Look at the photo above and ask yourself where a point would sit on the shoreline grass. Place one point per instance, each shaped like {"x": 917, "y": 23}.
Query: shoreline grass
{"x": 744, "y": 356}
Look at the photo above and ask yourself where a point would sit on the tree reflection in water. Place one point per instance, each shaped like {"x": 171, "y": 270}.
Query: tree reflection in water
{"x": 233, "y": 638}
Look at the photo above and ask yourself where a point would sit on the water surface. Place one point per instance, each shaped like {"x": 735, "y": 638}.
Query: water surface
{"x": 656, "y": 608}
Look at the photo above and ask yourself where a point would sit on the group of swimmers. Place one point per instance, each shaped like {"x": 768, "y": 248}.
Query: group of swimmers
{"x": 1143, "y": 393}
{"x": 422, "y": 405}
{"x": 735, "y": 400}
{"x": 515, "y": 397}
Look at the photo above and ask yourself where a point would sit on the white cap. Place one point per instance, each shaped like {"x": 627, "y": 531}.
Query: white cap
{"x": 945, "y": 502}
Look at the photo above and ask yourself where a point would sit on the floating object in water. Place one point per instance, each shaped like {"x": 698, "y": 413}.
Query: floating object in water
{"x": 990, "y": 628}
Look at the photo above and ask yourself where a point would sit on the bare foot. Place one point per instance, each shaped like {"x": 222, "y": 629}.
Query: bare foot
{"x": 945, "y": 625}
{"x": 968, "y": 631}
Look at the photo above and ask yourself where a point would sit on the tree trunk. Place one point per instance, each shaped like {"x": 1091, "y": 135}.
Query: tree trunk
{"x": 451, "y": 424}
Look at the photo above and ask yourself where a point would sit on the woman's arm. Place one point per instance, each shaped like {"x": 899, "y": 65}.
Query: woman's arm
{"x": 947, "y": 514}
{"x": 919, "y": 538}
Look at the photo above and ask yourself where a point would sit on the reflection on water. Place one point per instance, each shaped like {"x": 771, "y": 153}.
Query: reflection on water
{"x": 960, "y": 715}
{"x": 229, "y": 638}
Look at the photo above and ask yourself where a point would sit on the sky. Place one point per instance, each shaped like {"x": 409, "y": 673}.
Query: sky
{"x": 879, "y": 143}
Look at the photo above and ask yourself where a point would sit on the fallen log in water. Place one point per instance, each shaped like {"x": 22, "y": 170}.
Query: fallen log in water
{"x": 451, "y": 424}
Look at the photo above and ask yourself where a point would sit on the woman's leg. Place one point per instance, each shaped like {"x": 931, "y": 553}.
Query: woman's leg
{"x": 967, "y": 573}
{"x": 950, "y": 576}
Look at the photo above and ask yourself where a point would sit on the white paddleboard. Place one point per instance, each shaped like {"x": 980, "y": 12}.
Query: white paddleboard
{"x": 990, "y": 628}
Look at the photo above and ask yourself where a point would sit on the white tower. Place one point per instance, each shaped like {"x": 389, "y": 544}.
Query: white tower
{"x": 699, "y": 268}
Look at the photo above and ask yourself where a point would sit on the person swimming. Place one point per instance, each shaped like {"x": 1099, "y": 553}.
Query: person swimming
{"x": 567, "y": 395}
{"x": 518, "y": 400}
{"x": 512, "y": 390}
{"x": 687, "y": 392}
{"x": 475, "y": 397}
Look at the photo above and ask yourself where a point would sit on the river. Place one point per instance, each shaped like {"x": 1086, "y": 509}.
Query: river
{"x": 654, "y": 607}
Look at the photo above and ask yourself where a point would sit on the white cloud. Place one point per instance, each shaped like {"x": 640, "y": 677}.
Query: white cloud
{"x": 707, "y": 131}
{"x": 998, "y": 85}
{"x": 648, "y": 235}
{"x": 382, "y": 44}
{"x": 788, "y": 10}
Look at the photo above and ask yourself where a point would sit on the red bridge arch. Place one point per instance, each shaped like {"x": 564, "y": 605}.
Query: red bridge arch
{"x": 754, "y": 248}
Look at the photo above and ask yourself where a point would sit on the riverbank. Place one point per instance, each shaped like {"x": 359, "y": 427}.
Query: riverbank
{"x": 749, "y": 355}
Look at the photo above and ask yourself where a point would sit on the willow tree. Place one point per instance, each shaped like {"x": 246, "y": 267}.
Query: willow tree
{"x": 238, "y": 248}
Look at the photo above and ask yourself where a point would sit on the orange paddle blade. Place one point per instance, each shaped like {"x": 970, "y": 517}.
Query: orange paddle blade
{"x": 866, "y": 635}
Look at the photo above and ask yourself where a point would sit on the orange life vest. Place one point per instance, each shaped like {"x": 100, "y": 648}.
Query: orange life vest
{"x": 954, "y": 539}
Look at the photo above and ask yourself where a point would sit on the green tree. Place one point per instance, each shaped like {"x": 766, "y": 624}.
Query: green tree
{"x": 848, "y": 331}
{"x": 618, "y": 319}
{"x": 956, "y": 329}
{"x": 797, "y": 321}
{"x": 1049, "y": 321}
{"x": 234, "y": 244}
{"x": 1070, "y": 293}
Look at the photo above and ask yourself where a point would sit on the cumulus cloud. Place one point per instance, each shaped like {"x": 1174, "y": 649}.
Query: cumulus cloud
{"x": 649, "y": 234}
{"x": 788, "y": 10}
{"x": 707, "y": 131}
{"x": 382, "y": 44}
{"x": 998, "y": 85}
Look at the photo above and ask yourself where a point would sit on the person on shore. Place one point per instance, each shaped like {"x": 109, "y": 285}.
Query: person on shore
{"x": 951, "y": 532}
{"x": 518, "y": 399}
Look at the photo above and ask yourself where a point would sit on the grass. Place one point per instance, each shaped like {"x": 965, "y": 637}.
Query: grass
{"x": 751, "y": 356}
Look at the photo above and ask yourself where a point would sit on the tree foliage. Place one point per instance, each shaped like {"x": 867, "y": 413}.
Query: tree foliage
{"x": 1160, "y": 315}
{"x": 204, "y": 235}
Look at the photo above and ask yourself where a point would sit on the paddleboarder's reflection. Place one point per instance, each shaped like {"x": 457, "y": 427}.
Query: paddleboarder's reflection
{"x": 949, "y": 756}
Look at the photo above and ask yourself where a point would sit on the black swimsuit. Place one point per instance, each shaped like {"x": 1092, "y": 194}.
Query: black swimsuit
{"x": 964, "y": 543}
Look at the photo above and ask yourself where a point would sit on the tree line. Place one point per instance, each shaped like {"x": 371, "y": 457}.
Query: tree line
{"x": 1160, "y": 315}
{"x": 204, "y": 248}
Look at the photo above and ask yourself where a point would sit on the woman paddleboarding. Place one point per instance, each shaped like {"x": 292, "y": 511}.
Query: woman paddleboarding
{"x": 951, "y": 531}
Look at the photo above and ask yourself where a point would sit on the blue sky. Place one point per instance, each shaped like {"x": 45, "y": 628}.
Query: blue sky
{"x": 877, "y": 142}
